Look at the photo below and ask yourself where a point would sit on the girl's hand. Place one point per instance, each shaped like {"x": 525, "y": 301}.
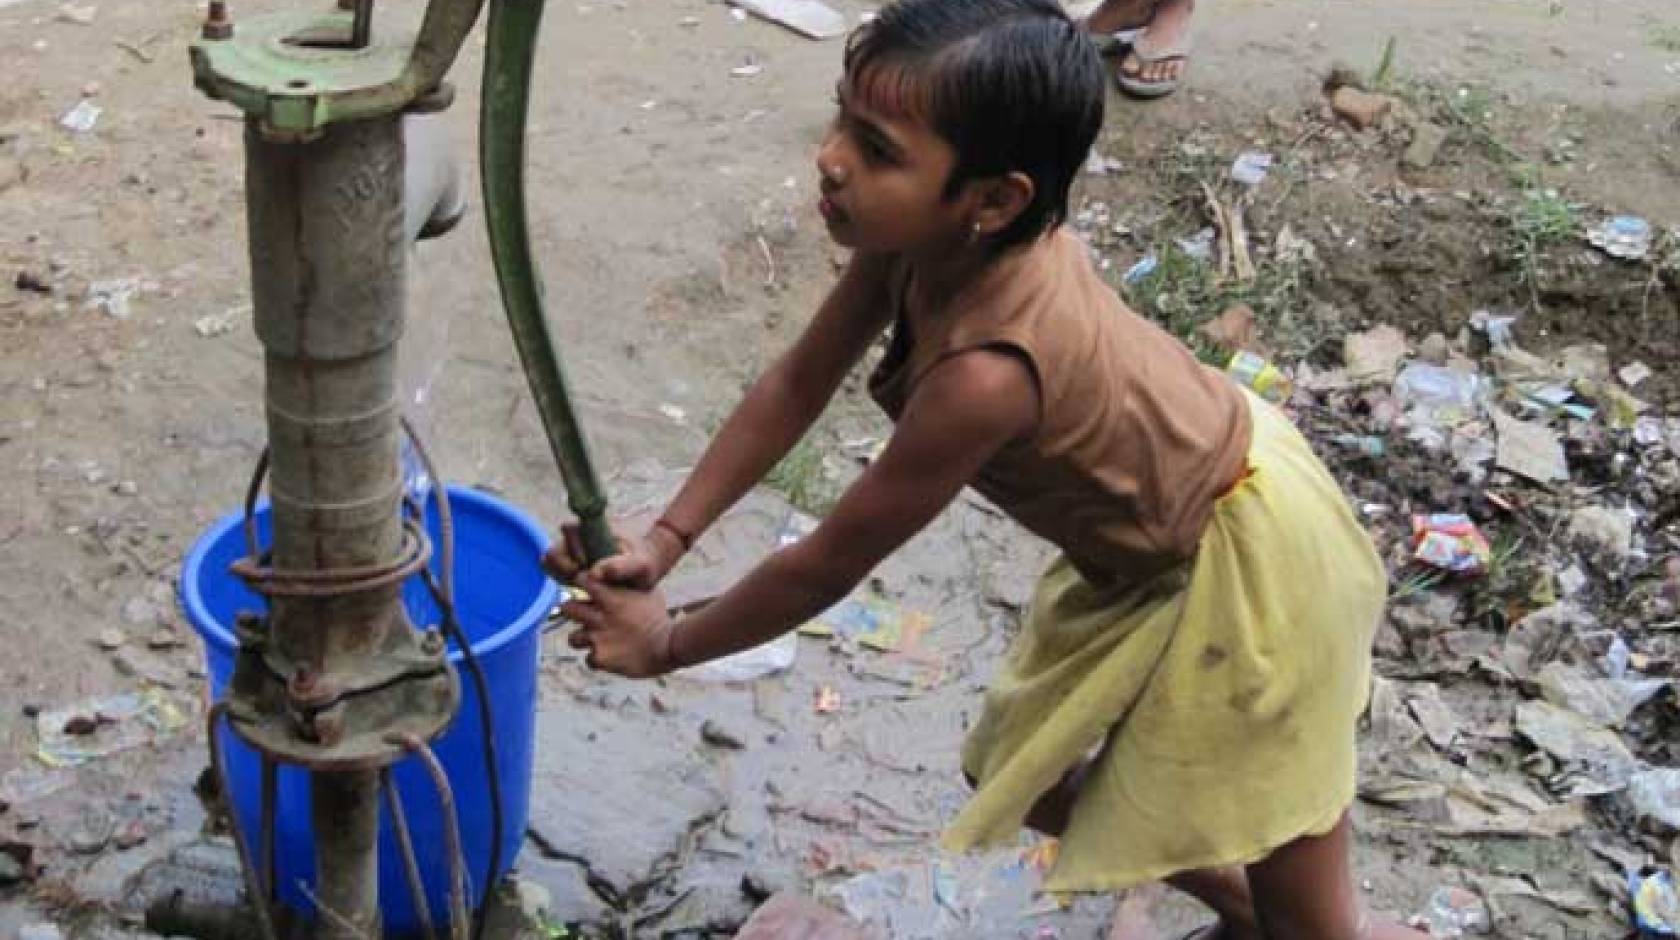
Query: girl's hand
{"x": 626, "y": 631}
{"x": 639, "y": 563}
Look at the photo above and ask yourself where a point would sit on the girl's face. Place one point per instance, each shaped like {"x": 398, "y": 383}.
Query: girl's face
{"x": 882, "y": 172}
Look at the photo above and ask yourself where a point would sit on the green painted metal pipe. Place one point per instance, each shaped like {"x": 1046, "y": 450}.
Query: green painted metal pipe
{"x": 510, "y": 48}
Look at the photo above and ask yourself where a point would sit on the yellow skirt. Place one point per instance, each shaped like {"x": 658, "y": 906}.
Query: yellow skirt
{"x": 1220, "y": 701}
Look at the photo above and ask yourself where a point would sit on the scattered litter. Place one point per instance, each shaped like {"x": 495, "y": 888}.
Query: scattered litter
{"x": 1585, "y": 361}
{"x": 809, "y": 18}
{"x": 1260, "y": 377}
{"x": 1608, "y": 702}
{"x": 1530, "y": 450}
{"x": 1450, "y": 542}
{"x": 1656, "y": 905}
{"x": 869, "y": 620}
{"x": 1251, "y": 168}
{"x": 80, "y": 15}
{"x": 1434, "y": 716}
{"x": 1627, "y": 237}
{"x": 1455, "y": 912}
{"x": 746, "y": 71}
{"x": 118, "y": 723}
{"x": 1144, "y": 267}
{"x": 1497, "y": 328}
{"x": 1634, "y": 373}
{"x": 112, "y": 640}
{"x": 83, "y": 118}
{"x": 1495, "y": 887}
{"x": 1198, "y": 247}
{"x": 1098, "y": 165}
{"x": 1595, "y": 759}
{"x": 114, "y": 296}
{"x": 1436, "y": 396}
{"x": 216, "y": 324}
{"x": 760, "y": 661}
{"x": 1373, "y": 357}
{"x": 1655, "y": 796}
{"x": 674, "y": 412}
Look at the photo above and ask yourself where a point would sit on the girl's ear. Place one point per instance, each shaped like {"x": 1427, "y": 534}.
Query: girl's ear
{"x": 1001, "y": 200}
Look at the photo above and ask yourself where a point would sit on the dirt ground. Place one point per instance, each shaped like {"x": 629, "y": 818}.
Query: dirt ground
{"x": 672, "y": 208}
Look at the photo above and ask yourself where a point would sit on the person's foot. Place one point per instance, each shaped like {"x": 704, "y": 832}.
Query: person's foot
{"x": 1115, "y": 16}
{"x": 1158, "y": 56}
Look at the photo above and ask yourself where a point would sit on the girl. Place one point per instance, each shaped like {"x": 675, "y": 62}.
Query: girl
{"x": 1181, "y": 702}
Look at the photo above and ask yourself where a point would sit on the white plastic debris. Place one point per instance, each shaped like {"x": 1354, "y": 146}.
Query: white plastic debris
{"x": 809, "y": 18}
{"x": 83, "y": 118}
{"x": 746, "y": 71}
{"x": 1251, "y": 167}
{"x": 1633, "y": 373}
{"x": 75, "y": 13}
{"x": 1624, "y": 236}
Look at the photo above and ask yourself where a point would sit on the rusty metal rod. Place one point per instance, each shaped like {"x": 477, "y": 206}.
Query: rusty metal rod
{"x": 253, "y": 883}
{"x": 405, "y": 845}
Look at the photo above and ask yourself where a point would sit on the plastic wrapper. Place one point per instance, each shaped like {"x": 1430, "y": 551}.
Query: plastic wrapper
{"x": 1450, "y": 542}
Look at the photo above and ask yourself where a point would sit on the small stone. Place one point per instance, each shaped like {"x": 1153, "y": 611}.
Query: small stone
{"x": 11, "y": 871}
{"x": 112, "y": 640}
{"x": 81, "y": 725}
{"x": 164, "y": 638}
{"x": 717, "y": 736}
{"x": 130, "y": 834}
{"x": 92, "y": 836}
{"x": 1360, "y": 108}
{"x": 126, "y": 488}
{"x": 1425, "y": 146}
{"x": 40, "y": 932}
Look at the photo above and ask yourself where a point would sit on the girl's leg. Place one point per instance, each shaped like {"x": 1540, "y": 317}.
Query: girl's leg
{"x": 1304, "y": 891}
{"x": 1115, "y": 15}
{"x": 1225, "y": 890}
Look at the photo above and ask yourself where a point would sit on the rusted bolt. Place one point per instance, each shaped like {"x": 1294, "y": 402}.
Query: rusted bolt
{"x": 431, "y": 643}
{"x": 217, "y": 23}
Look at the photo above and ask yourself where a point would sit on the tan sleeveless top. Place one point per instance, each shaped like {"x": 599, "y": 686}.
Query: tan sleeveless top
{"x": 1136, "y": 439}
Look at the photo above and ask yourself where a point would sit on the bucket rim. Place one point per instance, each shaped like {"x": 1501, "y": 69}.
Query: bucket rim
{"x": 531, "y": 617}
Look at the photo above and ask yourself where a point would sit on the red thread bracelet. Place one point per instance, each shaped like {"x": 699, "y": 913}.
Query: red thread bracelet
{"x": 683, "y": 538}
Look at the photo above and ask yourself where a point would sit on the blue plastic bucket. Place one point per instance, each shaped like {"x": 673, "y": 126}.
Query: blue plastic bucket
{"x": 502, "y": 599}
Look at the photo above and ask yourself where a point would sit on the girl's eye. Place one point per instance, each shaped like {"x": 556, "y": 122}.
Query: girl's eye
{"x": 873, "y": 151}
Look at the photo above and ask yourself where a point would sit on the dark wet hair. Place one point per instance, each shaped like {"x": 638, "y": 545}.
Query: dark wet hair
{"x": 1011, "y": 85}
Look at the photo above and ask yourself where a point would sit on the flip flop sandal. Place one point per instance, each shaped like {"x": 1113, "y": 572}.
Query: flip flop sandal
{"x": 1137, "y": 87}
{"x": 1117, "y": 42}
{"x": 1202, "y": 932}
